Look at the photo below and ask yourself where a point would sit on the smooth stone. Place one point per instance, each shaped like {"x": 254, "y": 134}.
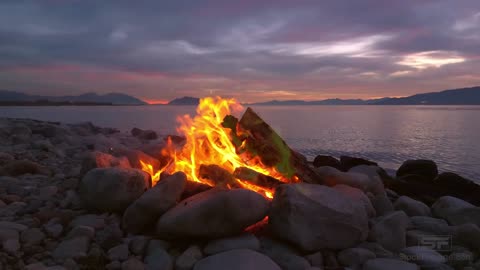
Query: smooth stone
{"x": 323, "y": 160}
{"x": 456, "y": 211}
{"x": 412, "y": 207}
{"x": 213, "y": 213}
{"x": 377, "y": 249}
{"x": 324, "y": 217}
{"x": 53, "y": 230}
{"x": 145, "y": 211}
{"x": 138, "y": 244}
{"x": 6, "y": 234}
{"x": 353, "y": 257}
{"x": 113, "y": 189}
{"x": 133, "y": 264}
{"x": 188, "y": 258}
{"x": 315, "y": 259}
{"x": 98, "y": 159}
{"x": 72, "y": 248}
{"x": 357, "y": 195}
{"x": 32, "y": 236}
{"x": 460, "y": 257}
{"x": 467, "y": 235}
{"x": 118, "y": 253}
{"x": 159, "y": 259}
{"x": 390, "y": 231}
{"x": 95, "y": 221}
{"x": 245, "y": 241}
{"x": 238, "y": 259}
{"x": 283, "y": 255}
{"x": 430, "y": 224}
{"x": 11, "y": 245}
{"x": 389, "y": 264}
{"x": 81, "y": 230}
{"x": 350, "y": 162}
{"x": 382, "y": 204}
{"x": 332, "y": 177}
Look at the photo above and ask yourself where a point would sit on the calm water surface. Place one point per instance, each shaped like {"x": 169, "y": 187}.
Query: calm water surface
{"x": 449, "y": 135}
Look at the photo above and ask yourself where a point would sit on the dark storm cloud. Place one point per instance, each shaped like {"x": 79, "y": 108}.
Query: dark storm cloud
{"x": 162, "y": 49}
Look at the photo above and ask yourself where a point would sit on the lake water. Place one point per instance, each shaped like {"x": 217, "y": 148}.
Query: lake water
{"x": 389, "y": 135}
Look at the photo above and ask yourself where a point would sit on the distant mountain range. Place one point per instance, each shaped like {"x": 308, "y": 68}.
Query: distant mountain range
{"x": 87, "y": 98}
{"x": 462, "y": 96}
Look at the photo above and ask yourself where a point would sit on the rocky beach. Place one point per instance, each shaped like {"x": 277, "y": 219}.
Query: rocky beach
{"x": 74, "y": 196}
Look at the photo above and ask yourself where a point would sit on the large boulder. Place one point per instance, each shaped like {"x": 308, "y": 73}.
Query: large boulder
{"x": 390, "y": 264}
{"x": 333, "y": 177}
{"x": 113, "y": 189}
{"x": 238, "y": 259}
{"x": 350, "y": 162}
{"x": 323, "y": 160}
{"x": 458, "y": 186}
{"x": 146, "y": 210}
{"x": 213, "y": 213}
{"x": 359, "y": 196}
{"x": 412, "y": 207}
{"x": 425, "y": 168}
{"x": 390, "y": 230}
{"x": 314, "y": 217}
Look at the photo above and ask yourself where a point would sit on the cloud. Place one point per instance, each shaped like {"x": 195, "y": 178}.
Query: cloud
{"x": 312, "y": 49}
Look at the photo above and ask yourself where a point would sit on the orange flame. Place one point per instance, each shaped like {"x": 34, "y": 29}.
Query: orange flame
{"x": 208, "y": 142}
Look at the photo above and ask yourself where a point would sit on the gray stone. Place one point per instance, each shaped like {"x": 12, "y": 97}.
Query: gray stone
{"x": 35, "y": 266}
{"x": 11, "y": 245}
{"x": 155, "y": 244}
{"x": 84, "y": 231}
{"x": 324, "y": 217}
{"x": 467, "y": 235}
{"x": 220, "y": 213}
{"x": 33, "y": 236}
{"x": 95, "y": 221}
{"x": 354, "y": 257}
{"x": 447, "y": 206}
{"x": 377, "y": 249}
{"x": 98, "y": 159}
{"x": 315, "y": 259}
{"x": 158, "y": 259}
{"x": 357, "y": 195}
{"x": 188, "y": 258}
{"x": 388, "y": 264}
{"x": 390, "y": 231}
{"x": 138, "y": 244}
{"x": 118, "y": 253}
{"x": 382, "y": 204}
{"x": 12, "y": 225}
{"x": 423, "y": 256}
{"x": 8, "y": 234}
{"x": 430, "y": 224}
{"x": 53, "y": 230}
{"x": 460, "y": 257}
{"x": 246, "y": 241}
{"x": 133, "y": 264}
{"x": 145, "y": 211}
{"x": 238, "y": 259}
{"x": 114, "y": 265}
{"x": 412, "y": 207}
{"x": 333, "y": 177}
{"x": 113, "y": 189}
{"x": 283, "y": 255}
{"x": 72, "y": 248}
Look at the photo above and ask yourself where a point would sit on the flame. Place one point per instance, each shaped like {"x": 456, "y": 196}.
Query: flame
{"x": 209, "y": 142}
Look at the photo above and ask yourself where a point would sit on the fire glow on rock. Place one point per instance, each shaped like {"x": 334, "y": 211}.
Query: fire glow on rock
{"x": 215, "y": 137}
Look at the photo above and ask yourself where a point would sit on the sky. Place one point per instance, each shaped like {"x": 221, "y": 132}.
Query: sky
{"x": 252, "y": 50}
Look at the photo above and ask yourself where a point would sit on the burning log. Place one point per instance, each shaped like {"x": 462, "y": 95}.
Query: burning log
{"x": 218, "y": 175}
{"x": 262, "y": 141}
{"x": 256, "y": 178}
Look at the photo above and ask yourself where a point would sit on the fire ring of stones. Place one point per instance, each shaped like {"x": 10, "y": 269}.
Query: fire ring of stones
{"x": 78, "y": 196}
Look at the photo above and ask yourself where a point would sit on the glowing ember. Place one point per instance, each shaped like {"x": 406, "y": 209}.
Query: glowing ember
{"x": 209, "y": 142}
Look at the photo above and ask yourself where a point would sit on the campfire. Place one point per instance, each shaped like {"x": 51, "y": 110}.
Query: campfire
{"x": 221, "y": 150}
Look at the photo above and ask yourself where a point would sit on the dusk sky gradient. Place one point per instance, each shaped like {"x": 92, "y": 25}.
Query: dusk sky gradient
{"x": 253, "y": 50}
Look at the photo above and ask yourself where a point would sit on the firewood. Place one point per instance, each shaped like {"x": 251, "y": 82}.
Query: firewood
{"x": 217, "y": 175}
{"x": 256, "y": 178}
{"x": 262, "y": 141}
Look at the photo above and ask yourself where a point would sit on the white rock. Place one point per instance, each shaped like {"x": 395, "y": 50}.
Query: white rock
{"x": 246, "y": 241}
{"x": 238, "y": 259}
{"x": 412, "y": 207}
{"x": 323, "y": 218}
